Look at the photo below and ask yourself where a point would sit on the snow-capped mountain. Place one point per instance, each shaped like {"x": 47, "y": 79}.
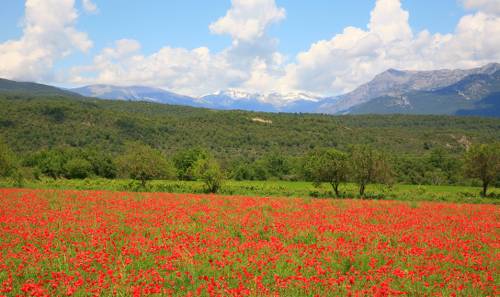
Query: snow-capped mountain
{"x": 269, "y": 102}
{"x": 392, "y": 91}
{"x": 274, "y": 101}
{"x": 224, "y": 99}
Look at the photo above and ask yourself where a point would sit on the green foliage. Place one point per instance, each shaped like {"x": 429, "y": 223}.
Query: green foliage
{"x": 143, "y": 163}
{"x": 277, "y": 164}
{"x": 52, "y": 130}
{"x": 50, "y": 122}
{"x": 327, "y": 165}
{"x": 77, "y": 168}
{"x": 72, "y": 163}
{"x": 50, "y": 162}
{"x": 483, "y": 162}
{"x": 241, "y": 170}
{"x": 185, "y": 161}
{"x": 437, "y": 167}
{"x": 209, "y": 171}
{"x": 8, "y": 162}
{"x": 368, "y": 165}
{"x": 441, "y": 160}
{"x": 101, "y": 161}
{"x": 272, "y": 165}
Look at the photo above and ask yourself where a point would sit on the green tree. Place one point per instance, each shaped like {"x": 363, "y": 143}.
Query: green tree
{"x": 241, "y": 170}
{"x": 277, "y": 164}
{"x": 443, "y": 163}
{"x": 185, "y": 160}
{"x": 208, "y": 170}
{"x": 368, "y": 166}
{"x": 329, "y": 165}
{"x": 482, "y": 161}
{"x": 102, "y": 162}
{"x": 77, "y": 168}
{"x": 260, "y": 170}
{"x": 49, "y": 162}
{"x": 8, "y": 161}
{"x": 143, "y": 163}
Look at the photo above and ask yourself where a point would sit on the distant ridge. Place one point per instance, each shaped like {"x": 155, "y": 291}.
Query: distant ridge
{"x": 32, "y": 88}
{"x": 459, "y": 92}
{"x": 135, "y": 93}
{"x": 475, "y": 94}
{"x": 394, "y": 83}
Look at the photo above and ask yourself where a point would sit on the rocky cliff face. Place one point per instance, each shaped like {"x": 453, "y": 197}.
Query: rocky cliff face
{"x": 395, "y": 83}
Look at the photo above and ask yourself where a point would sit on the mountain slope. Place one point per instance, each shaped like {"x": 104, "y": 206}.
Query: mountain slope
{"x": 488, "y": 106}
{"x": 464, "y": 97}
{"x": 393, "y": 83}
{"x": 393, "y": 91}
{"x": 31, "y": 88}
{"x": 52, "y": 121}
{"x": 135, "y": 93}
{"x": 230, "y": 99}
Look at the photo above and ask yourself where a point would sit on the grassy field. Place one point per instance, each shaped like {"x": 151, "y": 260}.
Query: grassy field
{"x": 462, "y": 194}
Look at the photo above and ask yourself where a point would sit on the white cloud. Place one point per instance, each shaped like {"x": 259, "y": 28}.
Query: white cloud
{"x": 357, "y": 55}
{"x": 248, "y": 19}
{"x": 185, "y": 71}
{"x": 486, "y": 6}
{"x": 89, "y": 6}
{"x": 389, "y": 21}
{"x": 252, "y": 62}
{"x": 249, "y": 62}
{"x": 48, "y": 35}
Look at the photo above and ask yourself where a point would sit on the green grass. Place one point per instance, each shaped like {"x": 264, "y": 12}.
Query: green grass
{"x": 412, "y": 193}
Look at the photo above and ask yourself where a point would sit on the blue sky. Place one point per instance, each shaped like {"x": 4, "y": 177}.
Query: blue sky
{"x": 184, "y": 23}
{"x": 268, "y": 59}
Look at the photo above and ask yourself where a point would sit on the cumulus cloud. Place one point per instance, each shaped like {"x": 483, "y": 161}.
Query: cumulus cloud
{"x": 356, "y": 55}
{"x": 89, "y": 6}
{"x": 486, "y": 6}
{"x": 328, "y": 67}
{"x": 250, "y": 61}
{"x": 248, "y": 19}
{"x": 389, "y": 21}
{"x": 48, "y": 35}
{"x": 185, "y": 71}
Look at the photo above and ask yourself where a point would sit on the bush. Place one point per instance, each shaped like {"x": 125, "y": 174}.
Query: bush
{"x": 78, "y": 168}
{"x": 208, "y": 171}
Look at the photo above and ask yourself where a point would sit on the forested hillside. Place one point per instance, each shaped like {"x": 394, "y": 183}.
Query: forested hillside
{"x": 78, "y": 137}
{"x": 30, "y": 123}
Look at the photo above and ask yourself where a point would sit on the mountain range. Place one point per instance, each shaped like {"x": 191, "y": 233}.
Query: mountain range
{"x": 456, "y": 92}
{"x": 398, "y": 84}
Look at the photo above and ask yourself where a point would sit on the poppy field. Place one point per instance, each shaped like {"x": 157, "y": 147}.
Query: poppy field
{"x": 103, "y": 243}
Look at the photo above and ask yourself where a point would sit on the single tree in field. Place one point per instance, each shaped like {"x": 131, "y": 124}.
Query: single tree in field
{"x": 143, "y": 163}
{"x": 483, "y": 162}
{"x": 209, "y": 171}
{"x": 368, "y": 166}
{"x": 329, "y": 165}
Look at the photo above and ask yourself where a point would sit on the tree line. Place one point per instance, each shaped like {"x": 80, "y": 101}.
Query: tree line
{"x": 361, "y": 164}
